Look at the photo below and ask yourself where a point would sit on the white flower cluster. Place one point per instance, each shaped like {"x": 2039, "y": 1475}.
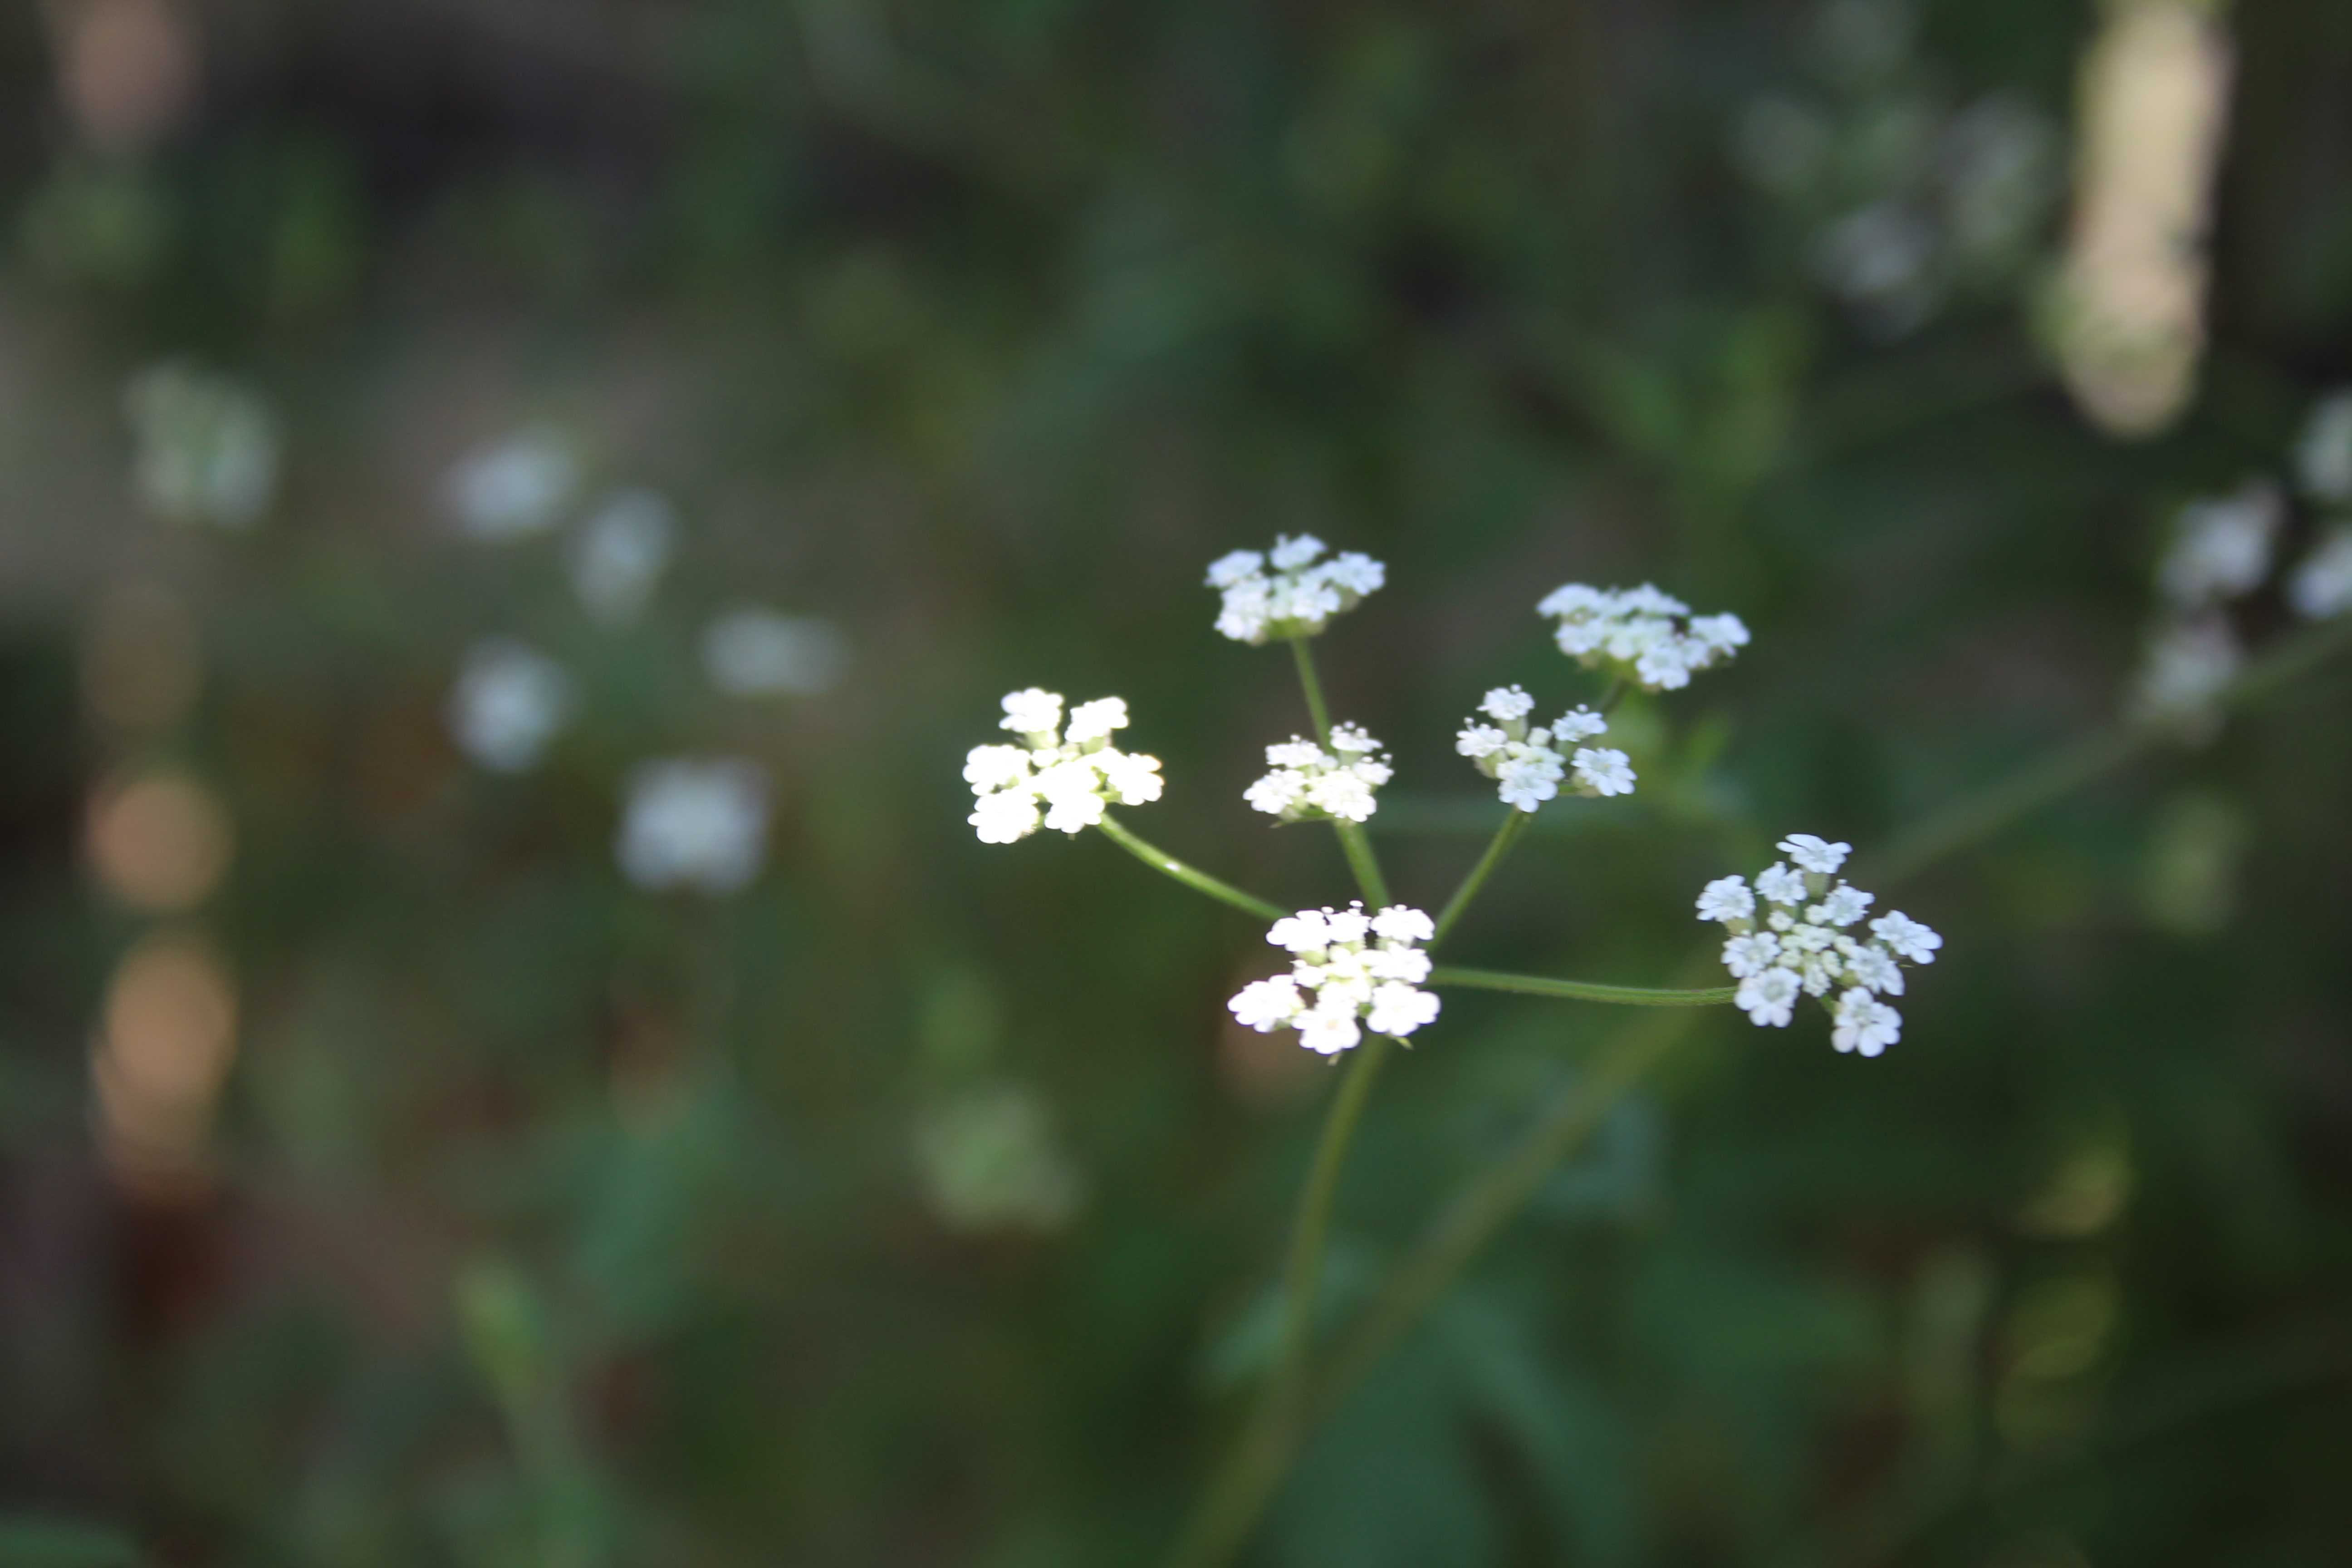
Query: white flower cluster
{"x": 1529, "y": 764}
{"x": 1802, "y": 946}
{"x": 1349, "y": 972}
{"x": 1289, "y": 591}
{"x": 1646, "y": 637}
{"x": 1058, "y": 777}
{"x": 1305, "y": 783}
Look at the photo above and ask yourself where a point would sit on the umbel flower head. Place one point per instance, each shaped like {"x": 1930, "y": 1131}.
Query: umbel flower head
{"x": 1349, "y": 972}
{"x": 1795, "y": 933}
{"x": 1058, "y": 776}
{"x": 1289, "y": 591}
{"x": 1305, "y": 783}
{"x": 1529, "y": 764}
{"x": 1641, "y": 635}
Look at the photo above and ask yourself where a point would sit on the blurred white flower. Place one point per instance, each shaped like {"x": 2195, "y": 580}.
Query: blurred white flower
{"x": 2323, "y": 457}
{"x": 2221, "y": 546}
{"x": 620, "y": 552}
{"x": 988, "y": 1160}
{"x": 1305, "y": 783}
{"x": 512, "y": 489}
{"x": 1288, "y": 592}
{"x": 1054, "y": 780}
{"x": 759, "y": 652}
{"x": 509, "y": 701}
{"x": 2189, "y": 664}
{"x": 2321, "y": 585}
{"x": 694, "y": 823}
{"x": 1881, "y": 258}
{"x": 1805, "y": 948}
{"x": 206, "y": 449}
{"x": 1349, "y": 972}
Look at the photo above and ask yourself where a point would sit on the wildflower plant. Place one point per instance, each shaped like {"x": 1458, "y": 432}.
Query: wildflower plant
{"x": 1363, "y": 976}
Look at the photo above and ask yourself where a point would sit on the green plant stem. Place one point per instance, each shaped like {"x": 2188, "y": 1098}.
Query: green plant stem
{"x": 1514, "y": 824}
{"x": 1583, "y": 990}
{"x": 1200, "y": 881}
{"x": 1317, "y": 710}
{"x": 1976, "y": 818}
{"x": 1246, "y": 1481}
{"x": 1488, "y": 1201}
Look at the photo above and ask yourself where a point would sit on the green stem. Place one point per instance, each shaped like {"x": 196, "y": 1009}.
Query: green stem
{"x": 1245, "y": 1483}
{"x": 1489, "y": 1201}
{"x": 1514, "y": 823}
{"x": 1981, "y": 816}
{"x": 1200, "y": 881}
{"x": 1582, "y": 990}
{"x": 1317, "y": 710}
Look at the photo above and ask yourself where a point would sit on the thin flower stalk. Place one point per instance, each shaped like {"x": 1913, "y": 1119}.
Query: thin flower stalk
{"x": 1192, "y": 877}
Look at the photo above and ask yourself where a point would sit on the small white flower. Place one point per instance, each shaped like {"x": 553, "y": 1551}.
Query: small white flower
{"x": 759, "y": 652}
{"x": 1605, "y": 772}
{"x": 1864, "y": 1024}
{"x": 1843, "y": 905}
{"x": 513, "y": 489}
{"x": 700, "y": 824}
{"x": 1263, "y": 1004}
{"x": 1814, "y": 853}
{"x": 1770, "y": 998}
{"x": 206, "y": 448}
{"x": 509, "y": 701}
{"x": 1227, "y": 569}
{"x": 1289, "y": 591}
{"x": 1506, "y": 703}
{"x": 1477, "y": 741}
{"x": 1096, "y": 720}
{"x": 1726, "y": 899}
{"x": 1640, "y": 635}
{"x": 1032, "y": 711}
{"x": 2321, "y": 585}
{"x": 1289, "y": 554}
{"x": 620, "y": 555}
{"x": 1402, "y": 923}
{"x": 996, "y": 767}
{"x": 1777, "y": 884}
{"x": 1350, "y": 970}
{"x": 1746, "y": 956}
{"x": 1328, "y": 1034}
{"x": 1527, "y": 782}
{"x": 2323, "y": 455}
{"x": 1304, "y": 781}
{"x": 1906, "y": 937}
{"x": 1399, "y": 1009}
{"x": 1577, "y": 724}
{"x": 1352, "y": 572}
{"x": 1006, "y": 816}
{"x": 1874, "y": 968}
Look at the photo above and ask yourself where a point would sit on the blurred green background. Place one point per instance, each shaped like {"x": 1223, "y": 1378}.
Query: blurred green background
{"x": 387, "y": 1178}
